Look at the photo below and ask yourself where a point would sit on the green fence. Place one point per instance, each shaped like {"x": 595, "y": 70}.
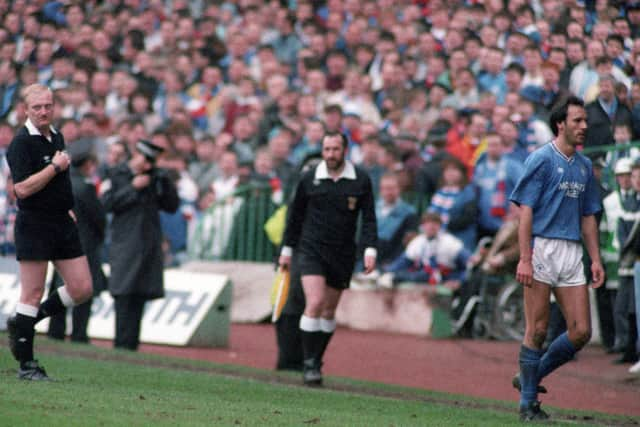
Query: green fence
{"x": 248, "y": 240}
{"x": 233, "y": 228}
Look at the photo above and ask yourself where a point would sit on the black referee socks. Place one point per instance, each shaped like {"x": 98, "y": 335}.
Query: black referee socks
{"x": 25, "y": 331}
{"x": 52, "y": 306}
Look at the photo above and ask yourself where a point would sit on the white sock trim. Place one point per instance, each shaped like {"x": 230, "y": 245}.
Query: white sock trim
{"x": 309, "y": 324}
{"x": 27, "y": 310}
{"x": 327, "y": 325}
{"x": 66, "y": 299}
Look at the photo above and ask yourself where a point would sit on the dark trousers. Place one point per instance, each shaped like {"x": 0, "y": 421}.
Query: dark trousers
{"x": 80, "y": 315}
{"x": 129, "y": 310}
{"x": 289, "y": 340}
{"x": 623, "y": 306}
{"x": 605, "y": 299}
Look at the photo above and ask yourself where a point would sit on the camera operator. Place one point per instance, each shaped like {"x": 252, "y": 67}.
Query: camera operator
{"x": 135, "y": 193}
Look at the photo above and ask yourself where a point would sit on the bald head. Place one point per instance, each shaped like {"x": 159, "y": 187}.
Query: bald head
{"x": 35, "y": 90}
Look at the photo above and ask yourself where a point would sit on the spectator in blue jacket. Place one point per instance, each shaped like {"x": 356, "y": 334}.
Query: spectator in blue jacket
{"x": 395, "y": 218}
{"x": 494, "y": 178}
{"x": 455, "y": 202}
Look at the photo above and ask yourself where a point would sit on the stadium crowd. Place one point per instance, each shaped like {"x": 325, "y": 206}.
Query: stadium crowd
{"x": 441, "y": 101}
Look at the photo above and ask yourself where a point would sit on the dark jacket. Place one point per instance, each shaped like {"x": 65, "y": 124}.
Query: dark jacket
{"x": 91, "y": 222}
{"x": 600, "y": 130}
{"x": 430, "y": 174}
{"x": 135, "y": 253}
{"x": 630, "y": 239}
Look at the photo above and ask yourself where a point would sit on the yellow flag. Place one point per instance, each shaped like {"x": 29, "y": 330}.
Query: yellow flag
{"x": 274, "y": 227}
{"x": 279, "y": 292}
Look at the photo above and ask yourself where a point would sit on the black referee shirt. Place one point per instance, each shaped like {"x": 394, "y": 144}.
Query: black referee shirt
{"x": 324, "y": 213}
{"x": 29, "y": 153}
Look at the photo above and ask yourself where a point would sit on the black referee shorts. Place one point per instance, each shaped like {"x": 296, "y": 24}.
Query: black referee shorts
{"x": 45, "y": 236}
{"x": 336, "y": 267}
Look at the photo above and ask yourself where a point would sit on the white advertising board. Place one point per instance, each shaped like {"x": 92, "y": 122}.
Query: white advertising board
{"x": 194, "y": 312}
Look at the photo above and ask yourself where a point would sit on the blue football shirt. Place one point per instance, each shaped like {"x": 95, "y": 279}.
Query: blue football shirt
{"x": 560, "y": 190}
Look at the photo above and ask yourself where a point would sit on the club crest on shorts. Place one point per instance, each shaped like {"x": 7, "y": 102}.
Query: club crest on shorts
{"x": 351, "y": 202}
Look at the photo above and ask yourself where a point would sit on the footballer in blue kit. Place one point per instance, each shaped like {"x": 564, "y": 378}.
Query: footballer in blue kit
{"x": 560, "y": 190}
{"x": 559, "y": 198}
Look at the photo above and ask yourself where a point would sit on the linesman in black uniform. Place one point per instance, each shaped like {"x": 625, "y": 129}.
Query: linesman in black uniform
{"x": 45, "y": 228}
{"x": 321, "y": 227}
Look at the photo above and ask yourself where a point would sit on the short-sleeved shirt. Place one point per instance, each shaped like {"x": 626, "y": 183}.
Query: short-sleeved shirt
{"x": 29, "y": 153}
{"x": 560, "y": 190}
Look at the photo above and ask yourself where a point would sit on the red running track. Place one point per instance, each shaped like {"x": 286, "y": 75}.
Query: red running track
{"x": 470, "y": 367}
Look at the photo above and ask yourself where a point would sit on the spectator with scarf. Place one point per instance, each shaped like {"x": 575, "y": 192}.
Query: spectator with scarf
{"x": 455, "y": 203}
{"x": 494, "y": 177}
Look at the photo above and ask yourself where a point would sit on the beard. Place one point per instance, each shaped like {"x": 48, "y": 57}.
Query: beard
{"x": 334, "y": 164}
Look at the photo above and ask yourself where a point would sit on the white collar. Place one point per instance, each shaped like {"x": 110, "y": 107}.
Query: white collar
{"x": 33, "y": 130}
{"x": 560, "y": 153}
{"x": 348, "y": 172}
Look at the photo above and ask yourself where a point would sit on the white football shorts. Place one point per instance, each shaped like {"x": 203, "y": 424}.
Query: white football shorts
{"x": 557, "y": 262}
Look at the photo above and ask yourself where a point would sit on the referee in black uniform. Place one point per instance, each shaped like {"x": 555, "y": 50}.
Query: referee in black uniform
{"x": 321, "y": 227}
{"x": 45, "y": 229}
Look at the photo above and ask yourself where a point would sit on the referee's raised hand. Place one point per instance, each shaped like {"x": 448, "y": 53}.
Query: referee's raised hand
{"x": 61, "y": 160}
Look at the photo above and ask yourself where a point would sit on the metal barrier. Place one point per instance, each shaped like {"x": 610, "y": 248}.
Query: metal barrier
{"x": 232, "y": 228}
{"x": 248, "y": 240}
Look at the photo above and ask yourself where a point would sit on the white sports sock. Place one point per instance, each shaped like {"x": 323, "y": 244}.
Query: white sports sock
{"x": 27, "y": 310}
{"x": 309, "y": 324}
{"x": 327, "y": 325}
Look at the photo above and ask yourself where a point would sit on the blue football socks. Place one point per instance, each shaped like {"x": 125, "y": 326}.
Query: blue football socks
{"x": 560, "y": 352}
{"x": 529, "y": 365}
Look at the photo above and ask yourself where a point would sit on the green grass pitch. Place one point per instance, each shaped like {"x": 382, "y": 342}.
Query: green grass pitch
{"x": 98, "y": 387}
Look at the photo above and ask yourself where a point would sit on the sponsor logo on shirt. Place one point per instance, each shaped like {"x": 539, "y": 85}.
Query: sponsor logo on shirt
{"x": 571, "y": 188}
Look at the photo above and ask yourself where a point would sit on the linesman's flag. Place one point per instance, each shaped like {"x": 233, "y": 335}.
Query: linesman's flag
{"x": 279, "y": 292}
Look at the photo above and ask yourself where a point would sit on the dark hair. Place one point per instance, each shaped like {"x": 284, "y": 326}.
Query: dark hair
{"x": 559, "y": 112}
{"x": 137, "y": 39}
{"x": 333, "y": 108}
{"x": 617, "y": 38}
{"x": 622, "y": 18}
{"x": 454, "y": 162}
{"x": 366, "y": 47}
{"x": 525, "y": 8}
{"x": 514, "y": 66}
{"x": 387, "y": 36}
{"x": 431, "y": 217}
{"x": 622, "y": 125}
{"x": 575, "y": 40}
{"x": 343, "y": 137}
